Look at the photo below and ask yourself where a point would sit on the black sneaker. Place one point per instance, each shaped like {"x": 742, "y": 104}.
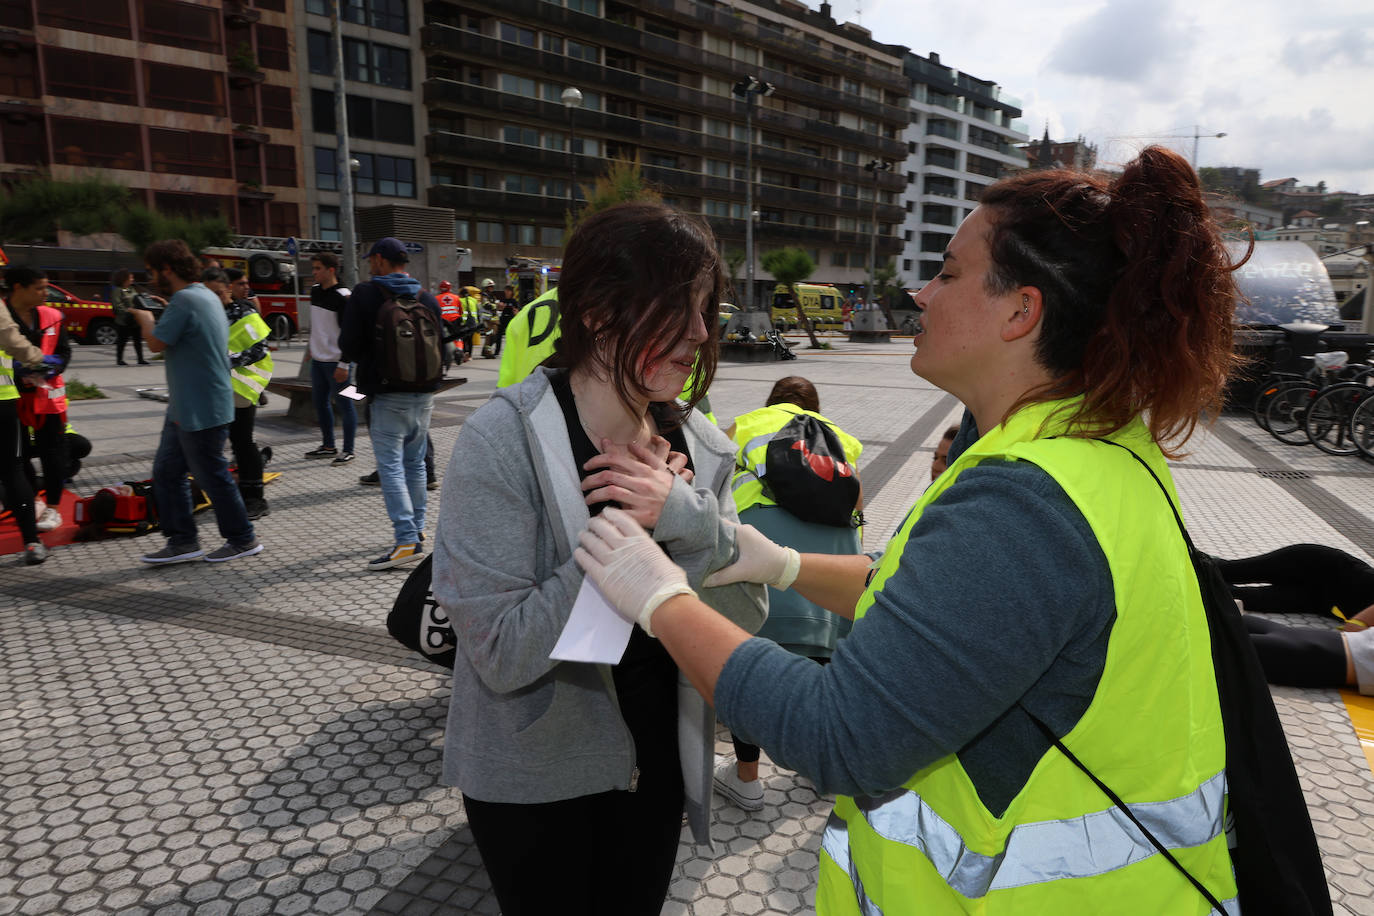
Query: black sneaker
{"x": 344, "y": 458}
{"x": 266, "y": 453}
{"x": 401, "y": 553}
{"x": 324, "y": 451}
{"x": 257, "y": 508}
{"x": 370, "y": 480}
{"x": 234, "y": 551}
{"x": 179, "y": 553}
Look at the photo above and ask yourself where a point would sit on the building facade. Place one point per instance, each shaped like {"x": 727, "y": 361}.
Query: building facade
{"x": 190, "y": 105}
{"x": 962, "y": 137}
{"x": 383, "y": 73}
{"x": 657, "y": 80}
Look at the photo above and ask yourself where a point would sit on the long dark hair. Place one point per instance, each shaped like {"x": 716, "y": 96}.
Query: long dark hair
{"x": 628, "y": 280}
{"x": 1137, "y": 288}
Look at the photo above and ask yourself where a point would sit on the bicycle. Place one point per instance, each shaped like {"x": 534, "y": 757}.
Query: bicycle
{"x": 1289, "y": 399}
{"x": 1362, "y": 427}
{"x": 1330, "y": 414}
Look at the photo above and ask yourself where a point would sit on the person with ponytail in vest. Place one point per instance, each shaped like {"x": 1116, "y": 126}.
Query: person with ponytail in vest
{"x": 1037, "y": 602}
{"x": 42, "y": 395}
{"x": 17, "y": 352}
{"x": 250, "y": 369}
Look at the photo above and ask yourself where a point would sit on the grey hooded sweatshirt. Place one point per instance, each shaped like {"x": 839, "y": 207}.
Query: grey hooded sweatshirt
{"x": 523, "y": 728}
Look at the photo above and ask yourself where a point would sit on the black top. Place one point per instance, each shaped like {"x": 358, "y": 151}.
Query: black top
{"x": 35, "y": 336}
{"x": 331, "y": 299}
{"x": 646, "y": 677}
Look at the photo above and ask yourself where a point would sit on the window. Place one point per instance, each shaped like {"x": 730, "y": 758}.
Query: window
{"x": 777, "y": 141}
{"x": 374, "y": 119}
{"x": 491, "y": 233}
{"x": 99, "y": 144}
{"x": 579, "y": 51}
{"x": 939, "y": 214}
{"x": 849, "y": 156}
{"x": 555, "y": 187}
{"x": 521, "y": 184}
{"x": 383, "y": 65}
{"x": 514, "y": 33}
{"x": 664, "y": 161}
{"x": 285, "y": 217}
{"x": 184, "y": 89}
{"x": 944, "y": 158}
{"x": 717, "y": 169}
{"x": 387, "y": 176}
{"x": 718, "y": 44}
{"x": 187, "y": 152}
{"x": 519, "y": 85}
{"x": 858, "y": 259}
{"x": 550, "y": 236}
{"x": 525, "y": 136}
{"x": 553, "y": 140}
{"x": 181, "y": 25}
{"x": 98, "y": 77}
{"x": 661, "y": 73}
{"x": 659, "y": 116}
{"x": 274, "y": 48}
{"x": 839, "y": 259}
{"x": 553, "y": 44}
{"x": 281, "y": 165}
{"x": 380, "y": 14}
{"x": 19, "y": 73}
{"x": 906, "y": 263}
{"x": 319, "y": 52}
{"x": 662, "y": 29}
{"x": 277, "y": 110}
{"x": 243, "y": 104}
{"x": 193, "y": 205}
{"x": 329, "y": 225}
{"x": 590, "y": 7}
{"x": 718, "y": 208}
{"x": 16, "y": 14}
{"x": 522, "y": 235}
{"x": 109, "y": 18}
{"x": 935, "y": 241}
{"x": 326, "y": 169}
{"x": 717, "y": 128}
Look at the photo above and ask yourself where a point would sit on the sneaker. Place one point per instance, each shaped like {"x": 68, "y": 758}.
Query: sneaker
{"x": 34, "y": 554}
{"x": 432, "y": 484}
{"x": 746, "y": 795}
{"x": 233, "y": 552}
{"x": 266, "y": 453}
{"x": 324, "y": 451}
{"x": 49, "y": 519}
{"x": 257, "y": 508}
{"x": 401, "y": 553}
{"x": 370, "y": 480}
{"x": 39, "y": 507}
{"x": 173, "y": 553}
{"x": 344, "y": 458}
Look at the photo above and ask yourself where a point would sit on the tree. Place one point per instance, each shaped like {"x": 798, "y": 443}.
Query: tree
{"x": 623, "y": 181}
{"x": 887, "y": 284}
{"x": 792, "y": 266}
{"x": 141, "y": 227}
{"x": 36, "y": 209}
{"x": 734, "y": 257}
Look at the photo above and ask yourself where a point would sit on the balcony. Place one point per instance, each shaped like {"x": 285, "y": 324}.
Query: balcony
{"x": 491, "y": 202}
{"x": 249, "y": 191}
{"x": 246, "y": 135}
{"x": 240, "y": 13}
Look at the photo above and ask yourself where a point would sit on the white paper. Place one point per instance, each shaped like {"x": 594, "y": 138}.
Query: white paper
{"x": 351, "y": 392}
{"x": 594, "y": 631}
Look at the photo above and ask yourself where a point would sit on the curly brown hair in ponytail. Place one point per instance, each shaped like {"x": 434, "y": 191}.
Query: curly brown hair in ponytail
{"x": 1137, "y": 289}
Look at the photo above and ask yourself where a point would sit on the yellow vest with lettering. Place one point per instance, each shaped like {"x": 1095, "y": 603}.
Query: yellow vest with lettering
{"x": 1152, "y": 733}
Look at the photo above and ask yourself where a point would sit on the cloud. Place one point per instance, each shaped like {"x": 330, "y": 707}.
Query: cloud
{"x": 1124, "y": 41}
{"x": 1314, "y": 53}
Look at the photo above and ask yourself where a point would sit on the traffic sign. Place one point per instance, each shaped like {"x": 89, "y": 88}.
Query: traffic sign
{"x": 414, "y": 247}
{"x": 291, "y": 247}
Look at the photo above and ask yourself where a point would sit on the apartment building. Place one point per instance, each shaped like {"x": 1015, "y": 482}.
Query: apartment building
{"x": 657, "y": 80}
{"x": 383, "y": 73}
{"x": 963, "y": 136}
{"x": 188, "y": 104}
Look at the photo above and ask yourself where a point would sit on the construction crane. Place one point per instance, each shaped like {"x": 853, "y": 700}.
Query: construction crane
{"x": 1197, "y": 135}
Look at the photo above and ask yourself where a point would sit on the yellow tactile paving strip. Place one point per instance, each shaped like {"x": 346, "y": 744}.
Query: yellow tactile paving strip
{"x": 1361, "y": 711}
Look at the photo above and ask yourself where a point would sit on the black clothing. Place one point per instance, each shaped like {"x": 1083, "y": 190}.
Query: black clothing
{"x": 1301, "y": 579}
{"x": 1297, "y": 656}
{"x": 126, "y": 333}
{"x": 35, "y": 337}
{"x": 331, "y": 299}
{"x": 49, "y": 445}
{"x": 15, "y": 491}
{"x": 247, "y": 455}
{"x": 234, "y": 311}
{"x": 355, "y": 333}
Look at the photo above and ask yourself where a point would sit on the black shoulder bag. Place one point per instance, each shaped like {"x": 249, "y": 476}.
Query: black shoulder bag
{"x": 1277, "y": 864}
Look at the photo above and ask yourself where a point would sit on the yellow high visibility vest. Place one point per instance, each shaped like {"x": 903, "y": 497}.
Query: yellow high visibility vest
{"x": 9, "y": 390}
{"x": 1152, "y": 733}
{"x": 250, "y": 381}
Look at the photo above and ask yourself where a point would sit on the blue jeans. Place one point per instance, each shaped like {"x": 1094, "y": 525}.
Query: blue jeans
{"x": 325, "y": 392}
{"x": 201, "y": 452}
{"x": 400, "y": 426}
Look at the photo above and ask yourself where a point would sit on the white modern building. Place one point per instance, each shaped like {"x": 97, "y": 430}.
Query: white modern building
{"x": 963, "y": 136}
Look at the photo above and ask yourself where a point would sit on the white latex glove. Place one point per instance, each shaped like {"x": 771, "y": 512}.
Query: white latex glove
{"x": 760, "y": 560}
{"x": 632, "y": 571}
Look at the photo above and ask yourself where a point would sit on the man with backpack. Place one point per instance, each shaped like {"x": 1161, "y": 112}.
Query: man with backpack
{"x": 392, "y": 331}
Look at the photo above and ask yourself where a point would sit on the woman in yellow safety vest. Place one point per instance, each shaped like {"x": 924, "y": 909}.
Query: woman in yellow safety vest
{"x": 1038, "y": 592}
{"x": 17, "y": 352}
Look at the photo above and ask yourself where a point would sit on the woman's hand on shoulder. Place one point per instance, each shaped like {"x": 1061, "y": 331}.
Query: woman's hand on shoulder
{"x": 637, "y": 478}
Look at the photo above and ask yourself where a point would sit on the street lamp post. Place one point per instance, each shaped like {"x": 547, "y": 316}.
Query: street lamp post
{"x": 747, "y": 89}
{"x": 875, "y": 166}
{"x": 1197, "y": 135}
{"x": 572, "y": 100}
{"x": 348, "y": 273}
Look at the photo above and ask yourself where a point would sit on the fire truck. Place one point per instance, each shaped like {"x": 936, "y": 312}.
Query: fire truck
{"x": 273, "y": 274}
{"x": 531, "y": 277}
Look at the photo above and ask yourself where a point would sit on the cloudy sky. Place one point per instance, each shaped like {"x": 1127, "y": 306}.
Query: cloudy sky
{"x": 1291, "y": 82}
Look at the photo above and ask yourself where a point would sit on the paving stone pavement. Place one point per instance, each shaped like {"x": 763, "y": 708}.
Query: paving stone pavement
{"x": 246, "y": 739}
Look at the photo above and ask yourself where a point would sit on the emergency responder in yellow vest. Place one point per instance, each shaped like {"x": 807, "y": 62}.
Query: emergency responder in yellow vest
{"x": 471, "y": 302}
{"x": 250, "y": 363}
{"x": 1040, "y": 591}
{"x": 15, "y": 351}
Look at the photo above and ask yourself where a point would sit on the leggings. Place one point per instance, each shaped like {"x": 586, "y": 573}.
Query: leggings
{"x": 246, "y": 454}
{"x": 14, "y": 486}
{"x": 1301, "y": 579}
{"x": 125, "y": 333}
{"x": 49, "y": 446}
{"x": 1297, "y": 656}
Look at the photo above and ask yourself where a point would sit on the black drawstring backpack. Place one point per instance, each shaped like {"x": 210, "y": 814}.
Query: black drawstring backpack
{"x": 805, "y": 472}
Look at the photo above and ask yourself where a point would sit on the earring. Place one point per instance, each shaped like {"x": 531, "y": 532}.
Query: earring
{"x": 1025, "y": 305}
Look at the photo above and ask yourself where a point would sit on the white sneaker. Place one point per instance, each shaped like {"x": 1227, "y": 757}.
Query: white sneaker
{"x": 746, "y": 795}
{"x": 48, "y": 519}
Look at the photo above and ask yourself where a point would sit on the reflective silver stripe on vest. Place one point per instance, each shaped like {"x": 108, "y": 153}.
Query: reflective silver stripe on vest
{"x": 835, "y": 843}
{"x": 757, "y": 441}
{"x": 1076, "y": 847}
{"x": 1229, "y": 908}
